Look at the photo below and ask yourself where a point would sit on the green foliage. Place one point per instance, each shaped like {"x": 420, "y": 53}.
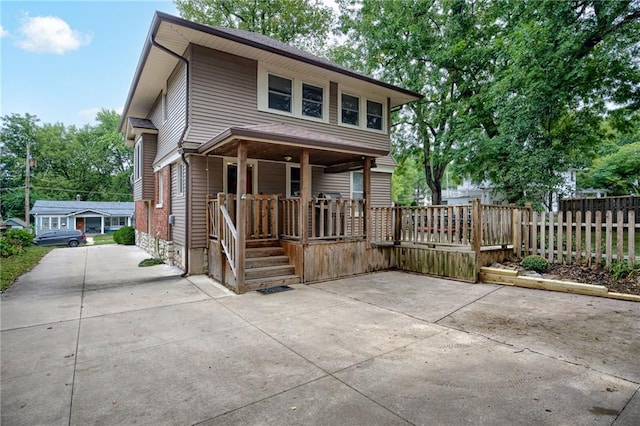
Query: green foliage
{"x": 619, "y": 172}
{"x": 150, "y": 262}
{"x": 535, "y": 263}
{"x": 19, "y": 237}
{"x": 125, "y": 235}
{"x": 515, "y": 91}
{"x": 100, "y": 173}
{"x": 7, "y": 249}
{"x": 17, "y": 265}
{"x": 303, "y": 23}
{"x": 621, "y": 269}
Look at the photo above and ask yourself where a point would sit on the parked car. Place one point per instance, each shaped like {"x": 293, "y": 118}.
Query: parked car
{"x": 61, "y": 237}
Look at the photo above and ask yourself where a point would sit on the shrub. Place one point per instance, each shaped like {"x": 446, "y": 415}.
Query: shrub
{"x": 621, "y": 269}
{"x": 535, "y": 263}
{"x": 19, "y": 238}
{"x": 125, "y": 235}
{"x": 7, "y": 249}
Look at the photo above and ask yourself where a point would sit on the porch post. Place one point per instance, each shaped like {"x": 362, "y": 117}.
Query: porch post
{"x": 305, "y": 195}
{"x": 367, "y": 202}
{"x": 241, "y": 214}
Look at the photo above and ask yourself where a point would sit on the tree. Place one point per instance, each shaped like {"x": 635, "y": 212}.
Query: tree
{"x": 17, "y": 135}
{"x": 302, "y": 23}
{"x": 558, "y": 64}
{"x": 434, "y": 48}
{"x": 618, "y": 172}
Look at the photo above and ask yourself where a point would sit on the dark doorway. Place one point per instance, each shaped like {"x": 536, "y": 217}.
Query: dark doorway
{"x": 232, "y": 178}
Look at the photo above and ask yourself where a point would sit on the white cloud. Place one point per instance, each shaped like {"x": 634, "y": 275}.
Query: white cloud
{"x": 89, "y": 114}
{"x": 3, "y": 32}
{"x": 50, "y": 34}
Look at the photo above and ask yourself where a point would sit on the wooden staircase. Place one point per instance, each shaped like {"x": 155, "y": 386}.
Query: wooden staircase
{"x": 266, "y": 266}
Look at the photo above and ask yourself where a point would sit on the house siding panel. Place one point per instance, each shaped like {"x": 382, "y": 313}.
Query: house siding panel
{"x": 149, "y": 144}
{"x": 169, "y": 131}
{"x": 224, "y": 94}
{"x": 272, "y": 178}
{"x": 177, "y": 207}
{"x": 329, "y": 182}
{"x": 380, "y": 189}
{"x": 202, "y": 183}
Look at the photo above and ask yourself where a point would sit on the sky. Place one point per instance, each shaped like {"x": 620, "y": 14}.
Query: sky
{"x": 64, "y": 61}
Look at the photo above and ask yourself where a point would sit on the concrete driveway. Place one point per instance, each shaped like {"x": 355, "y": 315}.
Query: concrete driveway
{"x": 88, "y": 337}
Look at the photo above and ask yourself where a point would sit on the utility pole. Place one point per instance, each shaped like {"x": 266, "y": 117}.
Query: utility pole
{"x": 26, "y": 185}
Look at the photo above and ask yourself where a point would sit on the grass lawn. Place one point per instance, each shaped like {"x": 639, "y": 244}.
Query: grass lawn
{"x": 16, "y": 265}
{"x": 103, "y": 239}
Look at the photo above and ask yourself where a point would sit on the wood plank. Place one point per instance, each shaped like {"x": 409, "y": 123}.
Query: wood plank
{"x": 551, "y": 224}
{"x": 241, "y": 218}
{"x": 547, "y": 284}
{"x": 587, "y": 237}
{"x": 569, "y": 257}
{"x": 534, "y": 233}
{"x": 543, "y": 241}
{"x": 560, "y": 256}
{"x": 598, "y": 237}
{"x": 499, "y": 271}
{"x": 620, "y": 237}
{"x": 579, "y": 237}
{"x": 631, "y": 234}
{"x": 609, "y": 237}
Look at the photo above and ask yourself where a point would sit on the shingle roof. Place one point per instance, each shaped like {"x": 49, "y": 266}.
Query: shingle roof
{"x": 109, "y": 208}
{"x": 141, "y": 123}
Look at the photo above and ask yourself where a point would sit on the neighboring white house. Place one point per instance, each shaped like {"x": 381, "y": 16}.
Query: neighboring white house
{"x": 468, "y": 191}
{"x": 92, "y": 217}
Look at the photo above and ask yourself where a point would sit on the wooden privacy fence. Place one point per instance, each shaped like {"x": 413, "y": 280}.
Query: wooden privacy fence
{"x": 625, "y": 204}
{"x": 577, "y": 238}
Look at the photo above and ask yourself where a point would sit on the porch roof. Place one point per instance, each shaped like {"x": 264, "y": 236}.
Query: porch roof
{"x": 280, "y": 141}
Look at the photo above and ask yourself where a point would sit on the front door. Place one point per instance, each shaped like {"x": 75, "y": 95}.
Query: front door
{"x": 80, "y": 223}
{"x": 232, "y": 178}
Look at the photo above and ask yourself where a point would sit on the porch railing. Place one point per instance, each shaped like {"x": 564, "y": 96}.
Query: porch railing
{"x": 262, "y": 215}
{"x": 228, "y": 238}
{"x": 444, "y": 225}
{"x": 289, "y": 220}
{"x": 336, "y": 218}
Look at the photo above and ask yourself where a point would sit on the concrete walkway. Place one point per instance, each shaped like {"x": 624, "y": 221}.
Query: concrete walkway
{"x": 88, "y": 337}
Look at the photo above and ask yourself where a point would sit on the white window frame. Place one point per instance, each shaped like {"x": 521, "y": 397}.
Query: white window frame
{"x": 351, "y": 186}
{"x": 288, "y": 177}
{"x": 296, "y": 96}
{"x": 181, "y": 178}
{"x": 137, "y": 160}
{"x": 362, "y": 112}
{"x": 160, "y": 189}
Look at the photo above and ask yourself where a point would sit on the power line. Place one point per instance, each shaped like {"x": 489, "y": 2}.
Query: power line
{"x": 66, "y": 190}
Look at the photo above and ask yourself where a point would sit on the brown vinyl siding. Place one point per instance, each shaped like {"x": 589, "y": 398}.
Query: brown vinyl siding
{"x": 145, "y": 187}
{"x": 169, "y": 131}
{"x": 272, "y": 178}
{"x": 202, "y": 183}
{"x": 380, "y": 189}
{"x": 224, "y": 94}
{"x": 329, "y": 182}
{"x": 178, "y": 205}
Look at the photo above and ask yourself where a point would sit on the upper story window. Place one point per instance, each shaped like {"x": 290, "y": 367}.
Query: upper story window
{"x": 312, "y": 100}
{"x": 374, "y": 115}
{"x": 280, "y": 91}
{"x": 350, "y": 110}
{"x": 359, "y": 111}
{"x": 286, "y": 93}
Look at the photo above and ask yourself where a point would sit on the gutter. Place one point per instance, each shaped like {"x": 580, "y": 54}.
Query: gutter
{"x": 187, "y": 233}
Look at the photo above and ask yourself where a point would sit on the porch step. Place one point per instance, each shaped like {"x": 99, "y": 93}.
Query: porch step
{"x": 258, "y": 262}
{"x": 253, "y": 252}
{"x": 260, "y": 283}
{"x": 268, "y": 272}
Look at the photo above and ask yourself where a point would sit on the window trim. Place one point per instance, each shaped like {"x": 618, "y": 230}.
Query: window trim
{"x": 297, "y": 80}
{"x": 251, "y": 162}
{"x": 288, "y": 178}
{"x": 160, "y": 189}
{"x": 362, "y": 112}
{"x": 351, "y": 185}
{"x": 137, "y": 160}
{"x": 181, "y": 179}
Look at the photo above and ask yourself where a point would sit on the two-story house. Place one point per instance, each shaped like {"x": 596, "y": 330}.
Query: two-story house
{"x": 246, "y": 148}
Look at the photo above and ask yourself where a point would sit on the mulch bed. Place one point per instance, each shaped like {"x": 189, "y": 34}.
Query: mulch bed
{"x": 596, "y": 274}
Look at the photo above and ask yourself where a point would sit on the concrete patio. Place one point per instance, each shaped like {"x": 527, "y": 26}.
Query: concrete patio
{"x": 88, "y": 337}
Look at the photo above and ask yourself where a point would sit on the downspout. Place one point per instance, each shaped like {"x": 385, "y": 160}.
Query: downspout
{"x": 187, "y": 232}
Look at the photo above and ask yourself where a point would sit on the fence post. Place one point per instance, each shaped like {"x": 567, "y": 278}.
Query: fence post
{"x": 397, "y": 227}
{"x": 517, "y": 233}
{"x": 476, "y": 230}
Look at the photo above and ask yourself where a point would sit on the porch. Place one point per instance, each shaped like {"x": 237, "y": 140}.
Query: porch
{"x": 278, "y": 241}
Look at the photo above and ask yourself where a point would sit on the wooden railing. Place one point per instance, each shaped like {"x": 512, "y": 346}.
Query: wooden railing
{"x": 444, "y": 225}
{"x": 336, "y": 218}
{"x": 289, "y": 220}
{"x": 577, "y": 238}
{"x": 497, "y": 225}
{"x": 382, "y": 224}
{"x": 228, "y": 239}
{"x": 262, "y": 216}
